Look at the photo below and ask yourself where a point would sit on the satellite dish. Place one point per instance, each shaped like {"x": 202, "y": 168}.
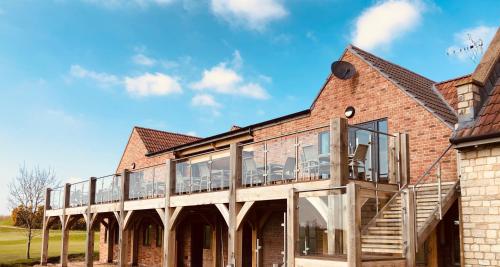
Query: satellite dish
{"x": 343, "y": 70}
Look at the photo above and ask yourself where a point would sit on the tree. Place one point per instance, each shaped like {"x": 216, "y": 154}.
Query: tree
{"x": 27, "y": 194}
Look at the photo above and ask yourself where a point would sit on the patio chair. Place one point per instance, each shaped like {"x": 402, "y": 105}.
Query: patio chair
{"x": 201, "y": 180}
{"x": 357, "y": 160}
{"x": 251, "y": 174}
{"x": 309, "y": 161}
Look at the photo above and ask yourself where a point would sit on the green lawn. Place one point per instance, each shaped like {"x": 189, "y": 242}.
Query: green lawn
{"x": 13, "y": 245}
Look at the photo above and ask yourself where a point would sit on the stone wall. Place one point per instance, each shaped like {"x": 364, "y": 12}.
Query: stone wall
{"x": 480, "y": 189}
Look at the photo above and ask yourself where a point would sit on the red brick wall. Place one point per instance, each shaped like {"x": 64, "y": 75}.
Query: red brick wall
{"x": 374, "y": 97}
{"x": 272, "y": 240}
{"x": 135, "y": 152}
{"x": 149, "y": 255}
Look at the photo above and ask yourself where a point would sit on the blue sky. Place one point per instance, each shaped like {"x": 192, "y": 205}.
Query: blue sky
{"x": 76, "y": 76}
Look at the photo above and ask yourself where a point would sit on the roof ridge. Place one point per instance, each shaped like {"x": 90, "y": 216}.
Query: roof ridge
{"x": 454, "y": 79}
{"x": 392, "y": 63}
{"x": 162, "y": 131}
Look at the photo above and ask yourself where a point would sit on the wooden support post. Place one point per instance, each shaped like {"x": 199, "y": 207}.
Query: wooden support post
{"x": 292, "y": 227}
{"x": 122, "y": 236}
{"x": 134, "y": 243}
{"x": 393, "y": 159}
{"x": 353, "y": 226}
{"x": 405, "y": 159}
{"x": 234, "y": 235}
{"x": 111, "y": 240}
{"x": 169, "y": 252}
{"x": 339, "y": 155}
{"x": 64, "y": 228}
{"x": 45, "y": 230}
{"x": 409, "y": 226}
{"x": 89, "y": 248}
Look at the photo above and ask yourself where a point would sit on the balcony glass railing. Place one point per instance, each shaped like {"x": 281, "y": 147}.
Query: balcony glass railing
{"x": 107, "y": 189}
{"x": 56, "y": 198}
{"x": 322, "y": 223}
{"x": 203, "y": 173}
{"x": 79, "y": 194}
{"x": 147, "y": 183}
{"x": 297, "y": 157}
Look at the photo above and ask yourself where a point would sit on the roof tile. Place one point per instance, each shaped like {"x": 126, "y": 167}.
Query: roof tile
{"x": 156, "y": 140}
{"x": 417, "y": 86}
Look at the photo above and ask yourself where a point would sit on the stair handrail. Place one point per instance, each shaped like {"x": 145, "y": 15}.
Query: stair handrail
{"x": 438, "y": 160}
{"x": 405, "y": 186}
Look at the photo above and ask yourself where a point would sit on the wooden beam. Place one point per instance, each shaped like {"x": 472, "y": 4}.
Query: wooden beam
{"x": 122, "y": 236}
{"x": 409, "y": 226}
{"x": 64, "y": 229}
{"x": 243, "y": 212}
{"x": 169, "y": 253}
{"x": 45, "y": 230}
{"x": 161, "y": 213}
{"x": 173, "y": 218}
{"x": 353, "y": 226}
{"x": 405, "y": 159}
{"x": 393, "y": 159}
{"x": 292, "y": 227}
{"x": 126, "y": 221}
{"x": 89, "y": 218}
{"x": 339, "y": 157}
{"x": 234, "y": 235}
{"x": 224, "y": 212}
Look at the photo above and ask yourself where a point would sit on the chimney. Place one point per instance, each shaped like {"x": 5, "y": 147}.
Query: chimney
{"x": 474, "y": 91}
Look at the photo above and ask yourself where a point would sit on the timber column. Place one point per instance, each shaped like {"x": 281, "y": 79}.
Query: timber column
{"x": 234, "y": 235}
{"x": 122, "y": 237}
{"x": 353, "y": 226}
{"x": 89, "y": 248}
{"x": 45, "y": 230}
{"x": 339, "y": 170}
{"x": 64, "y": 228}
{"x": 169, "y": 254}
{"x": 292, "y": 227}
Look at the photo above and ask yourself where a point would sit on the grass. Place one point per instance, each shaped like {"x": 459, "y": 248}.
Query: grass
{"x": 13, "y": 245}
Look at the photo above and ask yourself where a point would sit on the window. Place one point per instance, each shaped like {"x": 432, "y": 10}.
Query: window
{"x": 207, "y": 236}
{"x": 324, "y": 143}
{"x": 377, "y": 156}
{"x": 146, "y": 235}
{"x": 159, "y": 236}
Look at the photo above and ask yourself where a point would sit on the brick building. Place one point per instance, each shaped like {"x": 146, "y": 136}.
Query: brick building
{"x": 367, "y": 176}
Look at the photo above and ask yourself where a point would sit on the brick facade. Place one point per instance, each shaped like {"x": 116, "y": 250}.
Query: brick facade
{"x": 480, "y": 201}
{"x": 373, "y": 96}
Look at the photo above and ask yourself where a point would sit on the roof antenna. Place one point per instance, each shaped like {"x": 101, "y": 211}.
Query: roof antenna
{"x": 474, "y": 50}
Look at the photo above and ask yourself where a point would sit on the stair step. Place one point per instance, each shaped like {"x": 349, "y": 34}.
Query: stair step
{"x": 387, "y": 220}
{"x": 389, "y": 246}
{"x": 380, "y": 237}
{"x": 380, "y": 241}
{"x": 386, "y": 250}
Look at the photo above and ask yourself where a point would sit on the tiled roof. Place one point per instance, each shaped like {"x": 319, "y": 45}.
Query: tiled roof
{"x": 449, "y": 91}
{"x": 156, "y": 140}
{"x": 488, "y": 120}
{"x": 415, "y": 85}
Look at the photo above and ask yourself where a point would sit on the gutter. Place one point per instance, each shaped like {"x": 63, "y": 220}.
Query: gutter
{"x": 475, "y": 138}
{"x": 243, "y": 131}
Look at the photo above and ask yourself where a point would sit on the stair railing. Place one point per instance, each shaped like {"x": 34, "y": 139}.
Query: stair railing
{"x": 405, "y": 186}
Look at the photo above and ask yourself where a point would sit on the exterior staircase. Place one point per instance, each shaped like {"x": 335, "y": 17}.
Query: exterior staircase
{"x": 384, "y": 234}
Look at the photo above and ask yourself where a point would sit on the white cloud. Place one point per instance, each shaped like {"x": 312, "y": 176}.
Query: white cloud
{"x": 220, "y": 78}
{"x": 224, "y": 79}
{"x": 381, "y": 24}
{"x": 141, "y": 59}
{"x": 237, "y": 61}
{"x": 62, "y": 117}
{"x": 255, "y": 14}
{"x": 254, "y": 90}
{"x": 112, "y": 4}
{"x": 102, "y": 78}
{"x": 152, "y": 84}
{"x": 205, "y": 100}
{"x": 480, "y": 33}
{"x": 192, "y": 133}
